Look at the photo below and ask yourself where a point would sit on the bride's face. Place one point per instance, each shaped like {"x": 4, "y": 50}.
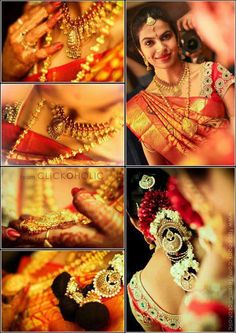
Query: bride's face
{"x": 158, "y": 44}
{"x": 84, "y": 96}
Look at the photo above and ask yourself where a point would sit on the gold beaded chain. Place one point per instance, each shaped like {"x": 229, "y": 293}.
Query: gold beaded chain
{"x": 188, "y": 125}
{"x": 30, "y": 123}
{"x": 114, "y": 9}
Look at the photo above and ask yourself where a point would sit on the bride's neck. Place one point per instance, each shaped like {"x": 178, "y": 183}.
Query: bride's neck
{"x": 171, "y": 75}
{"x": 78, "y": 8}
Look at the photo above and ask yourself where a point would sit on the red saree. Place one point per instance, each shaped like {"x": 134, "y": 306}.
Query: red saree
{"x": 107, "y": 67}
{"x": 154, "y": 124}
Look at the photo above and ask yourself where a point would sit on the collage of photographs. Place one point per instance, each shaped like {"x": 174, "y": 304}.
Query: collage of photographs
{"x": 117, "y": 166}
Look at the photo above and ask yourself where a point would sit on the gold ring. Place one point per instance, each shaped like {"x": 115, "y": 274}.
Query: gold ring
{"x": 20, "y": 21}
{"x": 46, "y": 242}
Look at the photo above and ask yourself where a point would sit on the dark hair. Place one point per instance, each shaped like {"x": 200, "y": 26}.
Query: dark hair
{"x": 141, "y": 17}
{"x": 91, "y": 316}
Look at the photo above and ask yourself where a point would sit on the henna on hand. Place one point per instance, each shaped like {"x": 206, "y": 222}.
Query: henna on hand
{"x": 105, "y": 218}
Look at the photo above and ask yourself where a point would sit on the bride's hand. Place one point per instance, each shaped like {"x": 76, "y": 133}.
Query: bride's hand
{"x": 22, "y": 49}
{"x": 105, "y": 230}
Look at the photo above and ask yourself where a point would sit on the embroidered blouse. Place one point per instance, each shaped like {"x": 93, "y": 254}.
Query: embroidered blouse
{"x": 146, "y": 311}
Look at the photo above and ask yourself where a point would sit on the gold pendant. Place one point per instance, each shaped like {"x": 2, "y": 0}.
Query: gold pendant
{"x": 56, "y": 128}
{"x": 189, "y": 126}
{"x": 73, "y": 43}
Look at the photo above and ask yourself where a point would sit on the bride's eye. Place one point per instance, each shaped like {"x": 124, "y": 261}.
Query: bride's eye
{"x": 166, "y": 36}
{"x": 148, "y": 43}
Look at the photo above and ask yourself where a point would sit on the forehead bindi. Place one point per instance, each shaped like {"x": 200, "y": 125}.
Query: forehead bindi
{"x": 153, "y": 31}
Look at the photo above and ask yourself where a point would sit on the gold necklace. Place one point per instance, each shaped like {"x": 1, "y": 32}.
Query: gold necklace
{"x": 116, "y": 122}
{"x": 174, "y": 89}
{"x": 189, "y": 126}
{"x": 82, "y": 132}
{"x": 83, "y": 27}
{"x": 114, "y": 9}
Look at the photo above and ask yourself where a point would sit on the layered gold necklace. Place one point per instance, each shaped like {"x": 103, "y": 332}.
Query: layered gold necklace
{"x": 189, "y": 126}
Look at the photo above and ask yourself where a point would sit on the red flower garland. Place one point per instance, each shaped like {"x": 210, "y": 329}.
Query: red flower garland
{"x": 150, "y": 204}
{"x": 181, "y": 205}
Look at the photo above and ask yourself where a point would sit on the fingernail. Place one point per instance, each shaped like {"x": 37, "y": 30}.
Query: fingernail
{"x": 13, "y": 233}
{"x": 76, "y": 190}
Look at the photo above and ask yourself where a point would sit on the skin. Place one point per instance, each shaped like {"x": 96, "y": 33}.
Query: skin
{"x": 17, "y": 61}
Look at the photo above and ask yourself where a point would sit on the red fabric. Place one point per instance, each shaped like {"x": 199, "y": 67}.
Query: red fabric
{"x": 34, "y": 144}
{"x": 65, "y": 72}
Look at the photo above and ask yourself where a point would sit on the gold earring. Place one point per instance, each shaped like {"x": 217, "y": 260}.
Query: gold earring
{"x": 149, "y": 68}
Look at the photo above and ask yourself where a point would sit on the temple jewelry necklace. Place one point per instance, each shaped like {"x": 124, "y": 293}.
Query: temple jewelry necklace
{"x": 107, "y": 22}
{"x": 84, "y": 133}
{"x": 189, "y": 126}
{"x": 83, "y": 27}
{"x": 174, "y": 89}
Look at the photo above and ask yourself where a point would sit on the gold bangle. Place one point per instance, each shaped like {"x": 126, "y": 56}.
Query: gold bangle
{"x": 46, "y": 242}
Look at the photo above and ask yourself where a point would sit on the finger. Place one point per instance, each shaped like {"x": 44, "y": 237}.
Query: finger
{"x": 185, "y": 25}
{"x": 15, "y": 224}
{"x": 191, "y": 25}
{"x": 179, "y": 24}
{"x": 102, "y": 215}
{"x": 44, "y": 52}
{"x": 48, "y": 9}
{"x": 35, "y": 34}
{"x": 38, "y": 17}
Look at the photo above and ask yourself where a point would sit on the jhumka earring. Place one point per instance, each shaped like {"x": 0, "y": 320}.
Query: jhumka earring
{"x": 171, "y": 234}
{"x": 148, "y": 67}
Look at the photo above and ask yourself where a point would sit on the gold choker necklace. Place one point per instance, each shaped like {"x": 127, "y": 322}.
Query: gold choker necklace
{"x": 174, "y": 89}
